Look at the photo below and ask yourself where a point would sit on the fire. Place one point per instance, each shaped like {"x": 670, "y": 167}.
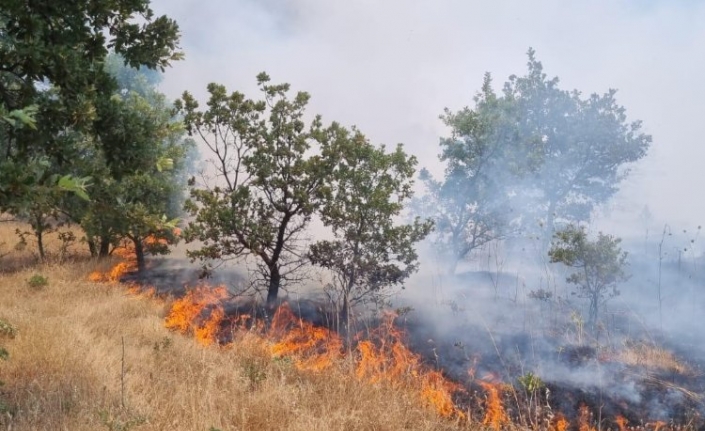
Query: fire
{"x": 621, "y": 422}
{"x": 584, "y": 417}
{"x": 495, "y": 415}
{"x": 186, "y": 314}
{"x": 208, "y": 333}
{"x": 316, "y": 348}
{"x": 385, "y": 357}
{"x": 561, "y": 423}
{"x": 96, "y": 277}
{"x": 437, "y": 391}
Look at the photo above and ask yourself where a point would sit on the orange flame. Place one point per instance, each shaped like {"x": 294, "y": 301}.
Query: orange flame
{"x": 316, "y": 348}
{"x": 495, "y": 415}
{"x": 186, "y": 314}
{"x": 561, "y": 423}
{"x": 437, "y": 391}
{"x": 584, "y": 416}
{"x": 388, "y": 359}
{"x": 96, "y": 277}
{"x": 621, "y": 422}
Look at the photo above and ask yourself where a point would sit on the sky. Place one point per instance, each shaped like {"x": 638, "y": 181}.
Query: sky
{"x": 390, "y": 67}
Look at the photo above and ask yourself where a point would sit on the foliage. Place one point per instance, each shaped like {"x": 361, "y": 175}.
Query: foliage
{"x": 7, "y": 329}
{"x": 37, "y": 281}
{"x": 268, "y": 179}
{"x": 54, "y": 88}
{"x": 370, "y": 252}
{"x": 600, "y": 264}
{"x": 138, "y": 195}
{"x": 531, "y": 382}
{"x": 470, "y": 204}
{"x": 579, "y": 147}
{"x": 524, "y": 159}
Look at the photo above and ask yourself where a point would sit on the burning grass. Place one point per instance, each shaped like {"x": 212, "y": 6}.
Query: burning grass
{"x": 67, "y": 369}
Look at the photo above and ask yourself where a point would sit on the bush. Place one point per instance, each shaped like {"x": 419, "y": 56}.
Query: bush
{"x": 37, "y": 281}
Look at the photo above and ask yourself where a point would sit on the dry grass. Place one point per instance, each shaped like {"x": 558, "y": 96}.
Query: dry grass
{"x": 652, "y": 358}
{"x": 66, "y": 366}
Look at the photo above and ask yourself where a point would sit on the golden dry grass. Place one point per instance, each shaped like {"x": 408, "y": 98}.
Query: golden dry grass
{"x": 65, "y": 370}
{"x": 653, "y": 358}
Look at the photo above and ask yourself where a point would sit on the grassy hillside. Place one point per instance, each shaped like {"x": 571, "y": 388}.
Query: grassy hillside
{"x": 89, "y": 353}
{"x": 90, "y": 356}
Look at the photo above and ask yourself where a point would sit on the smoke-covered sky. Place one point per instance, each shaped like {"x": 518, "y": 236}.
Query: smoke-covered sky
{"x": 390, "y": 67}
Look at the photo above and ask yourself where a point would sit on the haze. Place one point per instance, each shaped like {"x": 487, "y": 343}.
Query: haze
{"x": 391, "y": 67}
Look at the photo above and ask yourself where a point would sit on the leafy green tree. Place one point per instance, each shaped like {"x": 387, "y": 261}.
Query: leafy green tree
{"x": 470, "y": 205}
{"x": 268, "y": 175}
{"x": 133, "y": 197}
{"x": 51, "y": 61}
{"x": 531, "y": 156}
{"x": 370, "y": 252}
{"x": 580, "y": 148}
{"x": 600, "y": 265}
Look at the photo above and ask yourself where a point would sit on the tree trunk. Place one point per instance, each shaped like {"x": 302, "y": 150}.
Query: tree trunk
{"x": 274, "y": 282}
{"x": 92, "y": 248}
{"x": 453, "y": 265}
{"x": 39, "y": 233}
{"x": 104, "y": 247}
{"x": 139, "y": 253}
{"x": 594, "y": 301}
{"x": 548, "y": 235}
{"x": 344, "y": 313}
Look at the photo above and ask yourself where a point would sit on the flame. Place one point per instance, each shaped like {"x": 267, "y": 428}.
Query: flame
{"x": 437, "y": 391}
{"x": 584, "y": 416}
{"x": 208, "y": 333}
{"x": 621, "y": 422}
{"x": 561, "y": 423}
{"x": 495, "y": 414}
{"x": 385, "y": 357}
{"x": 186, "y": 314}
{"x": 96, "y": 277}
{"x": 126, "y": 251}
{"x": 316, "y": 348}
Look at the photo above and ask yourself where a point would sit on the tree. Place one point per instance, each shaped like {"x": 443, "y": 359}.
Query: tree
{"x": 579, "y": 147}
{"x": 51, "y": 60}
{"x": 527, "y": 158}
{"x": 600, "y": 264}
{"x": 470, "y": 205}
{"x": 138, "y": 196}
{"x": 370, "y": 253}
{"x": 269, "y": 174}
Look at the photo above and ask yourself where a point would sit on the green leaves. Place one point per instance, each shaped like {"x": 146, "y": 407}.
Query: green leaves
{"x": 470, "y": 204}
{"x": 20, "y": 117}
{"x": 366, "y": 191}
{"x": 269, "y": 177}
{"x": 75, "y": 185}
{"x": 600, "y": 264}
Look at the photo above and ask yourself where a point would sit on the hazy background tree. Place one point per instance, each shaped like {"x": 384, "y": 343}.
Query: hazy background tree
{"x": 520, "y": 161}
{"x": 579, "y": 148}
{"x": 470, "y": 205}
{"x": 267, "y": 179}
{"x": 370, "y": 252}
{"x": 600, "y": 265}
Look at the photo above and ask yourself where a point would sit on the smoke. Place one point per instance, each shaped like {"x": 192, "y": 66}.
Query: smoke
{"x": 392, "y": 67}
